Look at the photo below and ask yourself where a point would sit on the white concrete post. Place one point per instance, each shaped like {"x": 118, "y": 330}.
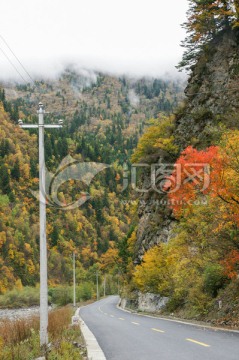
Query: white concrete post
{"x": 74, "y": 279}
{"x": 97, "y": 285}
{"x": 43, "y": 242}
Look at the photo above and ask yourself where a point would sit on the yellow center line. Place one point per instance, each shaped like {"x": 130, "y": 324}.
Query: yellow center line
{"x": 158, "y": 330}
{"x": 120, "y": 318}
{"x": 135, "y": 323}
{"x": 198, "y": 342}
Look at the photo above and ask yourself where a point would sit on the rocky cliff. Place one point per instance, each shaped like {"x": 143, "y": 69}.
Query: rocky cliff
{"x": 212, "y": 102}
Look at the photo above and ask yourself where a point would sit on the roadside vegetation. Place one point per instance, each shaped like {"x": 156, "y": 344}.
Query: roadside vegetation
{"x": 20, "y": 298}
{"x": 199, "y": 267}
{"x": 19, "y": 339}
{"x": 24, "y": 297}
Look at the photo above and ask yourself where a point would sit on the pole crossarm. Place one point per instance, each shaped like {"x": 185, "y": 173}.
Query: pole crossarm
{"x": 28, "y": 126}
{"x": 31, "y": 126}
{"x": 53, "y": 126}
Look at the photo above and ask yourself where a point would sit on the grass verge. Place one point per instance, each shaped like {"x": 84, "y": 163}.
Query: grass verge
{"x": 59, "y": 295}
{"x": 19, "y": 298}
{"x": 19, "y": 339}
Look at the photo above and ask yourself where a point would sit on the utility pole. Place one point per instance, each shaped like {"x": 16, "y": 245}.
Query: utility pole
{"x": 104, "y": 283}
{"x": 74, "y": 279}
{"x": 97, "y": 285}
{"x": 43, "y": 244}
{"x": 118, "y": 282}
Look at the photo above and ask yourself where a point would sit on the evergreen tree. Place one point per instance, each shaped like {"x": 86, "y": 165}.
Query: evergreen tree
{"x": 2, "y": 95}
{"x": 206, "y": 18}
{"x": 16, "y": 171}
{"x": 4, "y": 147}
{"x": 54, "y": 236}
{"x": 33, "y": 168}
{"x": 4, "y": 180}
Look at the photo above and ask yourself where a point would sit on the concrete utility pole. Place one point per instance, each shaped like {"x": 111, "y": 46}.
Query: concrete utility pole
{"x": 74, "y": 279}
{"x": 97, "y": 285}
{"x": 118, "y": 283}
{"x": 43, "y": 244}
{"x": 104, "y": 283}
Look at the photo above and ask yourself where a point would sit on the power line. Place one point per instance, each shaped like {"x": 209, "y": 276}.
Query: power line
{"x": 25, "y": 70}
{"x": 23, "y": 67}
{"x": 13, "y": 65}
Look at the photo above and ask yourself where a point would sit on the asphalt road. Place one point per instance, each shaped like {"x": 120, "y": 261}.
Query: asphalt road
{"x": 126, "y": 336}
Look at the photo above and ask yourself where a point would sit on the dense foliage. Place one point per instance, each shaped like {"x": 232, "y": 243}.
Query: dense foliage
{"x": 103, "y": 120}
{"x": 205, "y": 20}
{"x": 202, "y": 258}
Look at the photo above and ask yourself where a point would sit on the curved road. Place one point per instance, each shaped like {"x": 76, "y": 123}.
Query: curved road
{"x": 126, "y": 336}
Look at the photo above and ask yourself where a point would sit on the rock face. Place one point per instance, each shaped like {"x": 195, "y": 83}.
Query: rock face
{"x": 155, "y": 224}
{"x": 211, "y": 99}
{"x": 151, "y": 303}
{"x": 145, "y": 302}
{"x": 212, "y": 92}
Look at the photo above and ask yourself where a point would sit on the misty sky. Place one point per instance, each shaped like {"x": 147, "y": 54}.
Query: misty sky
{"x": 137, "y": 37}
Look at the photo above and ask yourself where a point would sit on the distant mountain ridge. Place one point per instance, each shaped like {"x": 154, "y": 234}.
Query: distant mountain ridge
{"x": 103, "y": 119}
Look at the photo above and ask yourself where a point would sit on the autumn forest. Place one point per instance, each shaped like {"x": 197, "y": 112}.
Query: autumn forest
{"x": 178, "y": 235}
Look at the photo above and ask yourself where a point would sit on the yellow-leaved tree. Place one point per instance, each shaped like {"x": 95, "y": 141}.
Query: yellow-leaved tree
{"x": 158, "y": 136}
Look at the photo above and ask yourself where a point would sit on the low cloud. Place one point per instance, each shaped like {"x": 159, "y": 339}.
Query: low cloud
{"x": 50, "y": 69}
{"x": 133, "y": 98}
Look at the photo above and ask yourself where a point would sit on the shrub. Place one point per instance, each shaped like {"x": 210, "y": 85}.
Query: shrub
{"x": 174, "y": 303}
{"x": 15, "y": 331}
{"x": 158, "y": 136}
{"x": 19, "y": 339}
{"x": 63, "y": 295}
{"x": 59, "y": 320}
{"x": 17, "y": 298}
{"x": 214, "y": 279}
{"x": 85, "y": 291}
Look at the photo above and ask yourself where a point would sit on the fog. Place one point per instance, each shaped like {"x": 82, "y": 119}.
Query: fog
{"x": 135, "y": 38}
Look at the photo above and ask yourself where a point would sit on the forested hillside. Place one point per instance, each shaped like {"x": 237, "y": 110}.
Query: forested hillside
{"x": 103, "y": 119}
{"x": 186, "y": 242}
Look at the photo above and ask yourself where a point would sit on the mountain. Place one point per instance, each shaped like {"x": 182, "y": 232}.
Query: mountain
{"x": 103, "y": 119}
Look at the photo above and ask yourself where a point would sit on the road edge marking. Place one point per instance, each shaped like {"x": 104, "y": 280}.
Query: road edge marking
{"x": 94, "y": 351}
{"x": 177, "y": 321}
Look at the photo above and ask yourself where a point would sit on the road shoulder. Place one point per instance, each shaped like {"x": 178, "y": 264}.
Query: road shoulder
{"x": 94, "y": 351}
{"x": 181, "y": 321}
